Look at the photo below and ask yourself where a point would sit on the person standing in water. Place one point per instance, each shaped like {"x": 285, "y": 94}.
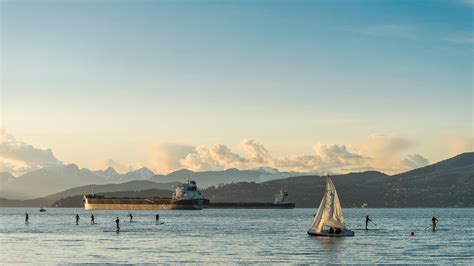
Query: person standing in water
{"x": 77, "y": 219}
{"x": 117, "y": 222}
{"x": 92, "y": 219}
{"x": 26, "y": 217}
{"x": 434, "y": 222}
{"x": 367, "y": 220}
{"x": 131, "y": 216}
{"x": 157, "y": 219}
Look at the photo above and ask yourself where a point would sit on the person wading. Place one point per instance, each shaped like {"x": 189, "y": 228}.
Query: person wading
{"x": 92, "y": 219}
{"x": 77, "y": 219}
{"x": 434, "y": 222}
{"x": 26, "y": 217}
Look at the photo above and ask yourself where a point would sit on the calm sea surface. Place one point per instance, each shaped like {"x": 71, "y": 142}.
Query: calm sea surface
{"x": 223, "y": 236}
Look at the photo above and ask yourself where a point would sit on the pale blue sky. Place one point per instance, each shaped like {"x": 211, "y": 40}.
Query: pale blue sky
{"x": 94, "y": 80}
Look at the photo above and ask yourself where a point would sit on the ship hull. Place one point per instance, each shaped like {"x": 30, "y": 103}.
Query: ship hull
{"x": 251, "y": 205}
{"x": 103, "y": 203}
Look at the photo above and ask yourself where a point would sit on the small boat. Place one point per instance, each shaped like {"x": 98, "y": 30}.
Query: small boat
{"x": 329, "y": 220}
{"x": 280, "y": 202}
{"x": 42, "y": 209}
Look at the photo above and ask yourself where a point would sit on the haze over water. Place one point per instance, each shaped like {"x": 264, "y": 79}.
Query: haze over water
{"x": 225, "y": 236}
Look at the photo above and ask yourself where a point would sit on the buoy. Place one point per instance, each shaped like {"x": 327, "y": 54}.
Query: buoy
{"x": 412, "y": 233}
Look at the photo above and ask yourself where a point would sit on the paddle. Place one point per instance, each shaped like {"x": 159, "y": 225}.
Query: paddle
{"x": 373, "y": 223}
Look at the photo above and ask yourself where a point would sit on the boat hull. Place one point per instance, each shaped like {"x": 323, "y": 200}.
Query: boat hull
{"x": 327, "y": 234}
{"x": 116, "y": 203}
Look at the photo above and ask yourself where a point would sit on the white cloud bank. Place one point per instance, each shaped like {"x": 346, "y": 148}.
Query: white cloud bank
{"x": 377, "y": 151}
{"x": 386, "y": 153}
{"x": 219, "y": 157}
{"x": 18, "y": 157}
{"x": 165, "y": 157}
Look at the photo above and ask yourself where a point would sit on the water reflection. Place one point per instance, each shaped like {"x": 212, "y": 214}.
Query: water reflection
{"x": 328, "y": 241}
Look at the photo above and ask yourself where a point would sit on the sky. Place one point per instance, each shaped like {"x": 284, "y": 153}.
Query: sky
{"x": 307, "y": 86}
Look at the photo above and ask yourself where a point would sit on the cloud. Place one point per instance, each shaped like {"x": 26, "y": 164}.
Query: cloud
{"x": 388, "y": 31}
{"x": 326, "y": 159}
{"x": 18, "y": 157}
{"x": 469, "y": 3}
{"x": 166, "y": 157}
{"x": 217, "y": 157}
{"x": 220, "y": 157}
{"x": 257, "y": 152}
{"x": 414, "y": 161}
{"x": 414, "y": 32}
{"x": 381, "y": 152}
{"x": 385, "y": 151}
{"x": 460, "y": 38}
{"x": 15, "y": 167}
{"x": 460, "y": 144}
{"x": 335, "y": 156}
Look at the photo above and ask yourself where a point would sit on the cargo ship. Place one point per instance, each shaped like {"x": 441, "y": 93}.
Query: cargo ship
{"x": 186, "y": 197}
{"x": 280, "y": 202}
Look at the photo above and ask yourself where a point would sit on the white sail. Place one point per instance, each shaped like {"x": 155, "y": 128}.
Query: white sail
{"x": 329, "y": 212}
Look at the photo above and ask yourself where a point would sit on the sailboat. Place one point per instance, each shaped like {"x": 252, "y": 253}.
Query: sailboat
{"x": 329, "y": 220}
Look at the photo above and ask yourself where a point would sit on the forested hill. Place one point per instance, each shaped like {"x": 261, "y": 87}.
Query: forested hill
{"x": 448, "y": 183}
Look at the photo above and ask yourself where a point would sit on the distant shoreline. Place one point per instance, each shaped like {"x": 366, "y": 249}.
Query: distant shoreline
{"x": 23, "y": 207}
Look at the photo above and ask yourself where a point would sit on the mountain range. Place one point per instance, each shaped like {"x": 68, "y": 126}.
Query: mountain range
{"x": 49, "y": 180}
{"x": 132, "y": 187}
{"x": 449, "y": 183}
{"x": 214, "y": 178}
{"x": 57, "y": 178}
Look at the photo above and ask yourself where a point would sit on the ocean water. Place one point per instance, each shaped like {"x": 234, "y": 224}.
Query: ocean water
{"x": 233, "y": 236}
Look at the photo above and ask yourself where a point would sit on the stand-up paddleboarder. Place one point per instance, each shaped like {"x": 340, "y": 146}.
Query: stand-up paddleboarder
{"x": 117, "y": 222}
{"x": 367, "y": 220}
{"x": 434, "y": 222}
